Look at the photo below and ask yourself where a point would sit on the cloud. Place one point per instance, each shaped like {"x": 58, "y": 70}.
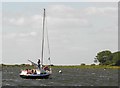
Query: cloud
{"x": 0, "y": 18}
{"x": 61, "y": 23}
{"x": 27, "y": 34}
{"x": 55, "y": 13}
{"x": 18, "y": 35}
{"x": 17, "y": 21}
{"x": 62, "y": 11}
{"x": 10, "y": 35}
{"x": 33, "y": 21}
{"x": 108, "y": 11}
{"x": 36, "y": 17}
{"x": 62, "y": 16}
{"x": 33, "y": 33}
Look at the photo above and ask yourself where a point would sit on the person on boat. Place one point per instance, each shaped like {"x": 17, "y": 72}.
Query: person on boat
{"x": 39, "y": 63}
{"x": 46, "y": 68}
{"x": 32, "y": 71}
{"x": 35, "y": 72}
{"x": 29, "y": 71}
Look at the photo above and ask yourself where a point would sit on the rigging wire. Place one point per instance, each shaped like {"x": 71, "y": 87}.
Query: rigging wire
{"x": 48, "y": 45}
{"x": 45, "y": 32}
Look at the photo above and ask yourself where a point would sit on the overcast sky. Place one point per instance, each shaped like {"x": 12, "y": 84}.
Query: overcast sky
{"x": 77, "y": 31}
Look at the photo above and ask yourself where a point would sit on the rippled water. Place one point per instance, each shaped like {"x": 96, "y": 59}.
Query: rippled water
{"x": 0, "y": 79}
{"x": 69, "y": 77}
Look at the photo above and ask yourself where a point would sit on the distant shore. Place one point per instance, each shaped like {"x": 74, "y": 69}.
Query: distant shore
{"x": 68, "y": 66}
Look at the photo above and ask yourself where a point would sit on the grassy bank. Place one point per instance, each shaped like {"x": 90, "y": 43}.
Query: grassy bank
{"x": 89, "y": 66}
{"x": 70, "y": 66}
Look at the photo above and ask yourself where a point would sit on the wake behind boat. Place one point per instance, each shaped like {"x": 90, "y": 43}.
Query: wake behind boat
{"x": 41, "y": 71}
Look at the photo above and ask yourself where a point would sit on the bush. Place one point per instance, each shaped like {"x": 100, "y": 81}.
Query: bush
{"x": 83, "y": 64}
{"x": 92, "y": 64}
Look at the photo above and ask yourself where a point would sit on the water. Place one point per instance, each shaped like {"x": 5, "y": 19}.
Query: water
{"x": 69, "y": 77}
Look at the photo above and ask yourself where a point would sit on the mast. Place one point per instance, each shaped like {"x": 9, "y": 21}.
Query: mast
{"x": 43, "y": 38}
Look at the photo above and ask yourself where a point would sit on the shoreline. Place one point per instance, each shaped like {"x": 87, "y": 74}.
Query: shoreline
{"x": 68, "y": 66}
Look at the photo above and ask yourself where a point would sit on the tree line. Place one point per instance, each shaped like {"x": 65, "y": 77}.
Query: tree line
{"x": 108, "y": 58}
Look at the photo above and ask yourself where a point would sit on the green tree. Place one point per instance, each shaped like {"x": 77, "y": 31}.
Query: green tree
{"x": 104, "y": 57}
{"x": 116, "y": 59}
{"x": 108, "y": 58}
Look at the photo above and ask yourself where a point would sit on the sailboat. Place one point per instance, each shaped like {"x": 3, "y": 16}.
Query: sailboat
{"x": 41, "y": 71}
